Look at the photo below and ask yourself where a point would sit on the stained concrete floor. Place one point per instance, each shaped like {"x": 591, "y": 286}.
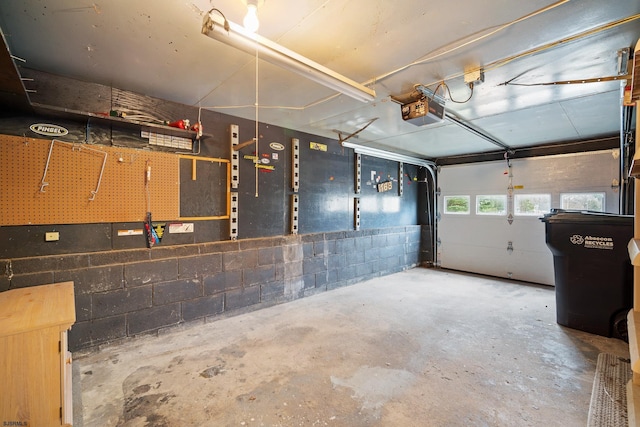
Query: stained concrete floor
{"x": 419, "y": 348}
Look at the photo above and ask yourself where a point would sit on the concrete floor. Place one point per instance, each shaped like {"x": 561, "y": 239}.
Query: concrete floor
{"x": 419, "y": 348}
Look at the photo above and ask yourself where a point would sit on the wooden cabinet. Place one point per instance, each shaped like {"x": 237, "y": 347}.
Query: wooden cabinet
{"x": 35, "y": 365}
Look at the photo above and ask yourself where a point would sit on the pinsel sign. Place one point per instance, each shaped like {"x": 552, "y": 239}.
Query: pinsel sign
{"x": 48, "y": 129}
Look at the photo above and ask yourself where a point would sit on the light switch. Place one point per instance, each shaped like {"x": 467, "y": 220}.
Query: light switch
{"x": 52, "y": 236}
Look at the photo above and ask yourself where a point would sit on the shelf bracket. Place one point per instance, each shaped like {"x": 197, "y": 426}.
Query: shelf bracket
{"x": 295, "y": 164}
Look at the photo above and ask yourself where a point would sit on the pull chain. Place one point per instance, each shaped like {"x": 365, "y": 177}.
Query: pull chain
{"x": 256, "y": 133}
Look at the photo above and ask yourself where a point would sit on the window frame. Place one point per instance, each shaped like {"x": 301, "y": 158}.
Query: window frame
{"x": 516, "y": 205}
{"x": 467, "y": 197}
{"x": 480, "y": 197}
{"x": 585, "y": 193}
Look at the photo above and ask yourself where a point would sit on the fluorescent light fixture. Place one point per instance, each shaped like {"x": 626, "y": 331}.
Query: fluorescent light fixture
{"x": 238, "y": 37}
{"x": 388, "y": 155}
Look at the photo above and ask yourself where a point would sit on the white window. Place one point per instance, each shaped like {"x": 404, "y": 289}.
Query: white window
{"x": 532, "y": 204}
{"x": 583, "y": 201}
{"x": 457, "y": 205}
{"x": 491, "y": 204}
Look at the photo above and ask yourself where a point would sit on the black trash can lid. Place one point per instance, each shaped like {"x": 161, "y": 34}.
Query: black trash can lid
{"x": 586, "y": 217}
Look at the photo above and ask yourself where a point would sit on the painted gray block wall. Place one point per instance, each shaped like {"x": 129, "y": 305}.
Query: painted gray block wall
{"x": 123, "y": 289}
{"x": 124, "y": 293}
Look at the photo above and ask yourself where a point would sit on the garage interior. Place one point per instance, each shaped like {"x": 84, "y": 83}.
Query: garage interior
{"x": 340, "y": 211}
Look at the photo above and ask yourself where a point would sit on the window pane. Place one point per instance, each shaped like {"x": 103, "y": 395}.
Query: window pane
{"x": 491, "y": 205}
{"x": 456, "y": 204}
{"x": 583, "y": 201}
{"x": 532, "y": 204}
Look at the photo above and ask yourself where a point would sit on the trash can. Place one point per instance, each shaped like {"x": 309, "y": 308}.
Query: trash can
{"x": 593, "y": 274}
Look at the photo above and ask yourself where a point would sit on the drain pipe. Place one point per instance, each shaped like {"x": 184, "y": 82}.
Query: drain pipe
{"x": 428, "y": 164}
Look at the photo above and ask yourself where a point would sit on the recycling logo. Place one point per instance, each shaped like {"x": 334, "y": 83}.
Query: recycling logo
{"x": 577, "y": 239}
{"x": 592, "y": 242}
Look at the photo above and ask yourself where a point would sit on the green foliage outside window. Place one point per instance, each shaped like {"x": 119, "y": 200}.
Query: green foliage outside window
{"x": 526, "y": 206}
{"x": 491, "y": 205}
{"x": 456, "y": 204}
{"x": 583, "y": 201}
{"x": 532, "y": 204}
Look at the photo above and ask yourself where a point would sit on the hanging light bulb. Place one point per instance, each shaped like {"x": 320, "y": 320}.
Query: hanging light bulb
{"x": 250, "y": 21}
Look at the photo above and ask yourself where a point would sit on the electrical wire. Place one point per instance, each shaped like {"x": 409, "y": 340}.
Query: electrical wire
{"x": 421, "y": 60}
{"x": 448, "y": 91}
{"x": 139, "y": 115}
{"x": 465, "y": 44}
{"x": 491, "y": 66}
{"x": 608, "y": 26}
{"x": 499, "y": 63}
{"x": 568, "y": 82}
{"x": 234, "y": 107}
{"x": 226, "y": 22}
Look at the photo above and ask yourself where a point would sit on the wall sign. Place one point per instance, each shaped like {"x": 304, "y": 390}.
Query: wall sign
{"x": 276, "y": 146}
{"x": 181, "y": 227}
{"x": 48, "y": 129}
{"x": 134, "y": 232}
{"x": 592, "y": 242}
{"x": 317, "y": 146}
{"x": 385, "y": 186}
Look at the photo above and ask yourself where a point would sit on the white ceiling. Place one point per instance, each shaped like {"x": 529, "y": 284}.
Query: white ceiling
{"x": 156, "y": 48}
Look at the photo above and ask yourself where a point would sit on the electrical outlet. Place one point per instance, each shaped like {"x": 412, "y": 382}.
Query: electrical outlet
{"x": 51, "y": 236}
{"x": 473, "y": 74}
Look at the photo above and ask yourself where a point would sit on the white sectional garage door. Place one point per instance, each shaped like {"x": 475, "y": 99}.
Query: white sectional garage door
{"x": 489, "y": 212}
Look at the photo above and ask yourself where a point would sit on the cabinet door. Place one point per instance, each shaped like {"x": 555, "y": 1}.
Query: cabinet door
{"x": 66, "y": 381}
{"x": 30, "y": 370}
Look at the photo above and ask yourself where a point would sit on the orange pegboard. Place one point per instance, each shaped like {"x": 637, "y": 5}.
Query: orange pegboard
{"x": 56, "y": 182}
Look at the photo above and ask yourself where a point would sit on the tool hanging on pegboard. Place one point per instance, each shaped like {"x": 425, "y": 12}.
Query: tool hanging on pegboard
{"x": 154, "y": 232}
{"x": 152, "y": 236}
{"x": 150, "y": 232}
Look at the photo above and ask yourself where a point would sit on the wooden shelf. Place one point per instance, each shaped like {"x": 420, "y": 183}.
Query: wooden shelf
{"x": 66, "y": 113}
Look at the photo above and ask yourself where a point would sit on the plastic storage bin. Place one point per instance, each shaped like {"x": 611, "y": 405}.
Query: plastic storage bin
{"x": 593, "y": 274}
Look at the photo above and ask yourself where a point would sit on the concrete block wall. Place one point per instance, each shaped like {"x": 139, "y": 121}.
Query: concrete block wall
{"x": 123, "y": 293}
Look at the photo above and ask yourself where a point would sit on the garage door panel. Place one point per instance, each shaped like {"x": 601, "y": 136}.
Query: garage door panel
{"x": 491, "y": 245}
{"x": 526, "y": 267}
{"x": 459, "y": 229}
{"x": 499, "y": 262}
{"x": 529, "y": 234}
{"x": 473, "y": 258}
